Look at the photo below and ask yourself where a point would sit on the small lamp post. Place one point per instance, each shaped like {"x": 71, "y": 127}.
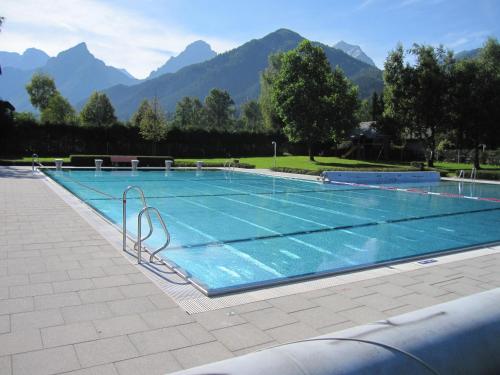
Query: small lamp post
{"x": 274, "y": 144}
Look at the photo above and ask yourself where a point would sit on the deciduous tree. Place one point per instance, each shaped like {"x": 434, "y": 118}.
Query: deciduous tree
{"x": 219, "y": 109}
{"x": 153, "y": 125}
{"x": 252, "y": 116}
{"x": 189, "y": 113}
{"x": 476, "y": 97}
{"x": 59, "y": 111}
{"x": 40, "y": 89}
{"x": 98, "y": 111}
{"x": 270, "y": 116}
{"x": 313, "y": 102}
{"x": 139, "y": 114}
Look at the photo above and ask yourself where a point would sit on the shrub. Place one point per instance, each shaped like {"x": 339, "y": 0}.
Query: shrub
{"x": 88, "y": 160}
{"x": 144, "y": 161}
{"x": 212, "y": 164}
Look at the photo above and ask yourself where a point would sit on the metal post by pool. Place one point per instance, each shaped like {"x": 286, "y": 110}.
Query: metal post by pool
{"x": 33, "y": 158}
{"x": 274, "y": 144}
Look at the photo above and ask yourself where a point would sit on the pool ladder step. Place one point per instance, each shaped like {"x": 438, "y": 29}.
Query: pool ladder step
{"x": 140, "y": 239}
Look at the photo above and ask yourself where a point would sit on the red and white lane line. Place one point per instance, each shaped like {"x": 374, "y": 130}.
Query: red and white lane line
{"x": 415, "y": 191}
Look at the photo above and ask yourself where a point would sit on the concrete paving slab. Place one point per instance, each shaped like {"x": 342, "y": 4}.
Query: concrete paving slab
{"x": 83, "y": 293}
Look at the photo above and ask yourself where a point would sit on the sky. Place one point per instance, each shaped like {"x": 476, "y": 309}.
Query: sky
{"x": 140, "y": 35}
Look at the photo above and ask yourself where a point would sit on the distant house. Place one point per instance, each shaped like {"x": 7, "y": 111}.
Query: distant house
{"x": 366, "y": 142}
{"x": 368, "y": 131}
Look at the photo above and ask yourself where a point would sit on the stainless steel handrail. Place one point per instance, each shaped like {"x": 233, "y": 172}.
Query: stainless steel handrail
{"x": 228, "y": 168}
{"x": 461, "y": 174}
{"x": 228, "y": 163}
{"x": 35, "y": 160}
{"x": 473, "y": 174}
{"x": 139, "y": 232}
{"x": 124, "y": 208}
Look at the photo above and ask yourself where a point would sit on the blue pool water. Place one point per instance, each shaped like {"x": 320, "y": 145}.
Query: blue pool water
{"x": 239, "y": 230}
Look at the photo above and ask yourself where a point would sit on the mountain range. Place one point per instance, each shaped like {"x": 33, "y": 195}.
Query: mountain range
{"x": 236, "y": 71}
{"x": 194, "y": 72}
{"x": 354, "y": 51}
{"x": 468, "y": 54}
{"x": 31, "y": 58}
{"x": 76, "y": 72}
{"x": 194, "y": 53}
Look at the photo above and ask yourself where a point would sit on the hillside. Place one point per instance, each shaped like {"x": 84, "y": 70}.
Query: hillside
{"x": 236, "y": 71}
{"x": 468, "y": 54}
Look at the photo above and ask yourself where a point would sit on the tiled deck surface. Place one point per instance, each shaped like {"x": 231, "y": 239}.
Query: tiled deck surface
{"x": 72, "y": 303}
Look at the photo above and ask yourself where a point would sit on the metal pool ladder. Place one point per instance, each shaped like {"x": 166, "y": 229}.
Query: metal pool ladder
{"x": 35, "y": 160}
{"x": 473, "y": 174}
{"x": 228, "y": 168}
{"x": 145, "y": 209}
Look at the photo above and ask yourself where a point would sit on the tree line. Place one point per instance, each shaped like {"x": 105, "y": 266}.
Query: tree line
{"x": 428, "y": 95}
{"x": 444, "y": 101}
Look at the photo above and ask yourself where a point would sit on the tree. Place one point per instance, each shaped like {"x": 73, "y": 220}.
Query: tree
{"x": 40, "y": 89}
{"x": 475, "y": 97}
{"x": 417, "y": 96}
{"x": 270, "y": 117}
{"x": 139, "y": 114}
{"x": 59, "y": 111}
{"x": 397, "y": 114}
{"x": 377, "y": 107}
{"x": 153, "y": 125}
{"x": 98, "y": 111}
{"x": 430, "y": 93}
{"x": 252, "y": 116}
{"x": 313, "y": 102}
{"x": 219, "y": 109}
{"x": 7, "y": 113}
{"x": 364, "y": 112}
{"x": 189, "y": 113}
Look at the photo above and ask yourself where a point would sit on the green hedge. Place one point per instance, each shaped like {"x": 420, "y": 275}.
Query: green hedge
{"x": 319, "y": 171}
{"x": 26, "y": 138}
{"x": 212, "y": 164}
{"x": 144, "y": 161}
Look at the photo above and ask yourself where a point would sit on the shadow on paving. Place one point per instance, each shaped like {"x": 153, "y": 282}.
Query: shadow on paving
{"x": 16, "y": 172}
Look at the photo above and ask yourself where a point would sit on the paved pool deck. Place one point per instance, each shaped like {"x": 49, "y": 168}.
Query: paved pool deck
{"x": 71, "y": 303}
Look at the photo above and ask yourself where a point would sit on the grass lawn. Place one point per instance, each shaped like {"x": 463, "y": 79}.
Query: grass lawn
{"x": 299, "y": 162}
{"x": 302, "y": 162}
{"x": 45, "y": 159}
{"x": 459, "y": 166}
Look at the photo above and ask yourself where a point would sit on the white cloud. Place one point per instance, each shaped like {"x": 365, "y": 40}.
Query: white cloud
{"x": 113, "y": 34}
{"x": 466, "y": 39}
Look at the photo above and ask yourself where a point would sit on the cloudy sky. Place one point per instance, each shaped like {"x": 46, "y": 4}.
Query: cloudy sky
{"x": 141, "y": 35}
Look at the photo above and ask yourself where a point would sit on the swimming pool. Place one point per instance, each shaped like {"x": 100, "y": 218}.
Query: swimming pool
{"x": 235, "y": 231}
